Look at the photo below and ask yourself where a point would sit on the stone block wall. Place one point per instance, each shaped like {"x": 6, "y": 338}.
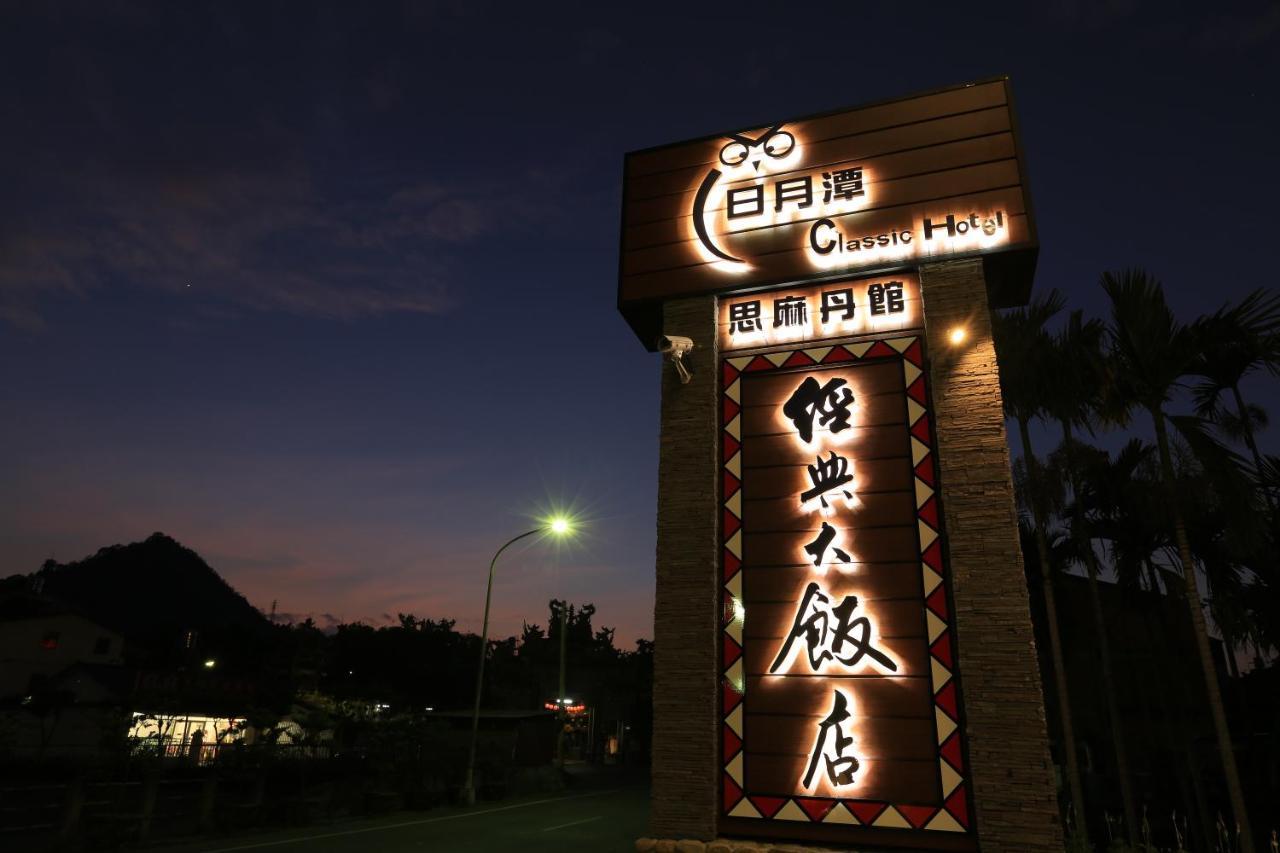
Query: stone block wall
{"x": 686, "y": 606}
{"x": 1013, "y": 783}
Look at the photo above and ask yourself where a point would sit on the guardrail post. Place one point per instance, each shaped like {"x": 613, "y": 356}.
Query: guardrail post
{"x": 72, "y": 807}
{"x": 149, "y": 789}
{"x": 208, "y": 796}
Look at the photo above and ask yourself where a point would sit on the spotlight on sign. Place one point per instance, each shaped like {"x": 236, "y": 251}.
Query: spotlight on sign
{"x": 957, "y": 336}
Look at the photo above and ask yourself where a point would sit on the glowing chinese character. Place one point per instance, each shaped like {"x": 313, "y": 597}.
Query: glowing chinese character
{"x": 826, "y": 404}
{"x": 833, "y": 747}
{"x": 842, "y": 183}
{"x": 837, "y": 301}
{"x": 799, "y": 190}
{"x": 746, "y": 201}
{"x": 744, "y": 317}
{"x": 830, "y": 633}
{"x": 886, "y": 297}
{"x": 790, "y": 311}
{"x": 818, "y": 547}
{"x": 827, "y": 475}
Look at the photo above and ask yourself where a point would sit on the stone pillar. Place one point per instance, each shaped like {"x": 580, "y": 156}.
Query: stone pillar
{"x": 686, "y": 787}
{"x": 1013, "y": 781}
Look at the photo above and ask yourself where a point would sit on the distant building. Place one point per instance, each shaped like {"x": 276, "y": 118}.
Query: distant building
{"x": 39, "y": 646}
{"x": 62, "y": 678}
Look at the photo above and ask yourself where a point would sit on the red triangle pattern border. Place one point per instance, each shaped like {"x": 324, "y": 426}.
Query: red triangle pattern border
{"x": 816, "y": 809}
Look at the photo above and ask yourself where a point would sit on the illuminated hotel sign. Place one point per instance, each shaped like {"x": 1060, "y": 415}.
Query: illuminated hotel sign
{"x": 878, "y": 188}
{"x": 798, "y": 259}
{"x": 840, "y": 711}
{"x": 836, "y": 310}
{"x": 739, "y": 198}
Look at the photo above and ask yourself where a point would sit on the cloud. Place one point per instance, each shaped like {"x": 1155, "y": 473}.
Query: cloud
{"x": 264, "y": 241}
{"x": 268, "y": 242}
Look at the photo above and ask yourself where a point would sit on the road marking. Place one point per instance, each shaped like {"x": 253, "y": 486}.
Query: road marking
{"x": 284, "y": 841}
{"x": 574, "y": 823}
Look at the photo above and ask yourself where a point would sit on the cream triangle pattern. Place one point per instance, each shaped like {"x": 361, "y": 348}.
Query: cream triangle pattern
{"x": 949, "y": 777}
{"x": 914, "y": 411}
{"x": 734, "y": 769}
{"x": 734, "y": 585}
{"x": 923, "y": 492}
{"x": 734, "y": 465}
{"x": 791, "y": 812}
{"x": 946, "y": 725}
{"x": 734, "y": 630}
{"x": 841, "y": 814}
{"x": 909, "y": 372}
{"x": 858, "y": 350}
{"x": 931, "y": 580}
{"x": 927, "y": 534}
{"x": 778, "y": 358}
{"x": 734, "y": 427}
{"x": 741, "y": 362}
{"x": 918, "y": 450}
{"x": 734, "y": 391}
{"x": 941, "y": 675}
{"x": 734, "y": 504}
{"x": 734, "y": 676}
{"x": 891, "y": 817}
{"x": 819, "y": 353}
{"x": 935, "y": 625}
{"x": 735, "y": 544}
{"x": 944, "y": 822}
{"x": 900, "y": 344}
{"x": 734, "y": 720}
{"x": 744, "y": 809}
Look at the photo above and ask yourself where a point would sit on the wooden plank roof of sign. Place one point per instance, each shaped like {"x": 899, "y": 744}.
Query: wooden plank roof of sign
{"x": 923, "y": 151}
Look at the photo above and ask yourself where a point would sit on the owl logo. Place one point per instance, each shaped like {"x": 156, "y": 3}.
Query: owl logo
{"x": 741, "y": 157}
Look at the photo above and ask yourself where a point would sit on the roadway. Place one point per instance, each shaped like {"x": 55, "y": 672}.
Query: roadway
{"x": 599, "y": 819}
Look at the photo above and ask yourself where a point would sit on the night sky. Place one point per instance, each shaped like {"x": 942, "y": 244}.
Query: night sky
{"x": 327, "y": 293}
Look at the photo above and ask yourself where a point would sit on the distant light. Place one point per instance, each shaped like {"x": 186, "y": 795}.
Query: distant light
{"x": 957, "y": 335}
{"x": 428, "y": 709}
{"x": 210, "y": 663}
{"x": 560, "y": 525}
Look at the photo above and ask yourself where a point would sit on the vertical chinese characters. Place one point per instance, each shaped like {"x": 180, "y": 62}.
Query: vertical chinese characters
{"x": 837, "y": 638}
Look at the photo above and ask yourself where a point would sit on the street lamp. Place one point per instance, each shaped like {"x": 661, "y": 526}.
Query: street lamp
{"x": 557, "y": 526}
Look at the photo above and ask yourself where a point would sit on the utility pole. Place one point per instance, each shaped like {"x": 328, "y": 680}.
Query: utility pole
{"x": 560, "y": 717}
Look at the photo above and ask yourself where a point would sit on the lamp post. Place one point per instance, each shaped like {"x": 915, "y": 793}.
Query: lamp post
{"x": 557, "y": 526}
{"x": 564, "y": 629}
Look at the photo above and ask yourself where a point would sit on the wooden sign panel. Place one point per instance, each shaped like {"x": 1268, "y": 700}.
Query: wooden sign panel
{"x": 842, "y": 714}
{"x": 882, "y": 187}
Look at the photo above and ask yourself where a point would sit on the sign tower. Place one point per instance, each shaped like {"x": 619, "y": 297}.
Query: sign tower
{"x": 844, "y": 650}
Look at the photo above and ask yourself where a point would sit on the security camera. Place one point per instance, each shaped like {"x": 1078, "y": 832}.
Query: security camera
{"x": 676, "y": 347}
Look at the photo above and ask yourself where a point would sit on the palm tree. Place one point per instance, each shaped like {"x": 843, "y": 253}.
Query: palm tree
{"x": 1072, "y": 399}
{"x": 1238, "y": 341}
{"x": 1023, "y": 353}
{"x": 1151, "y": 355}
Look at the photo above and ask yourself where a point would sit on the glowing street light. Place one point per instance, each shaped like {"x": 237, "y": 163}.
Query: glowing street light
{"x": 558, "y": 526}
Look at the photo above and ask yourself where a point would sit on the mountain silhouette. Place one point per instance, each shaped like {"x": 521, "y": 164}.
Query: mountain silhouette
{"x": 154, "y": 591}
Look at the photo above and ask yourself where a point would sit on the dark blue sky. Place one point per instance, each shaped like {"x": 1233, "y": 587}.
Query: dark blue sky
{"x": 327, "y": 293}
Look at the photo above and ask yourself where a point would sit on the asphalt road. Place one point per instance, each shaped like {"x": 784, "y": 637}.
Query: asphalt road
{"x": 600, "y": 820}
